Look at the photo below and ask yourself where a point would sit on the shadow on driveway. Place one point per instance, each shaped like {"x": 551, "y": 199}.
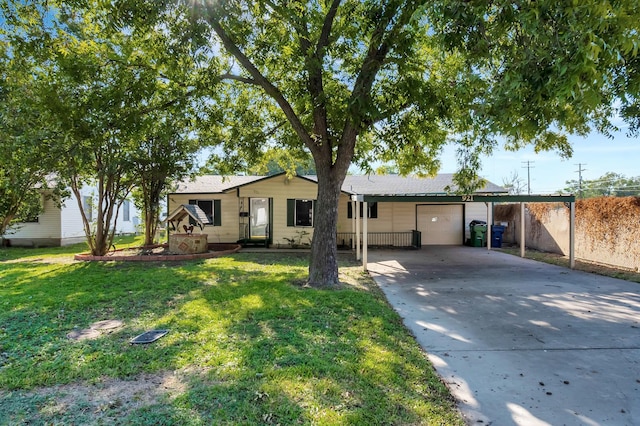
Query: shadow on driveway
{"x": 517, "y": 341}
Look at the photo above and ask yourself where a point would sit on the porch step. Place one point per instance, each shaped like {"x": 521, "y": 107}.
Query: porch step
{"x": 249, "y": 242}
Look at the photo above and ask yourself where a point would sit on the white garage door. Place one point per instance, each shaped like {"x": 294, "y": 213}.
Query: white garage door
{"x": 440, "y": 224}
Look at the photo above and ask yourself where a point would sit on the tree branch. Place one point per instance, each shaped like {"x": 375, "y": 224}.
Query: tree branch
{"x": 259, "y": 79}
{"x": 379, "y": 47}
{"x": 327, "y": 25}
{"x": 239, "y": 78}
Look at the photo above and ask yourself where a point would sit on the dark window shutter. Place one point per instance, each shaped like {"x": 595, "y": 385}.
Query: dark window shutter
{"x": 217, "y": 213}
{"x": 349, "y": 210}
{"x": 373, "y": 210}
{"x": 291, "y": 212}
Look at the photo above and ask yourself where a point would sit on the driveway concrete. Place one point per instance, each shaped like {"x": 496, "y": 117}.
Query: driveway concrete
{"x": 520, "y": 342}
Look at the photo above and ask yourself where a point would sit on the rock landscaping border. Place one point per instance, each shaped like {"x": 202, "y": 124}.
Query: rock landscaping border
{"x": 215, "y": 250}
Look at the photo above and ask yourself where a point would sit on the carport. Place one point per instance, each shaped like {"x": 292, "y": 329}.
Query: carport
{"x": 519, "y": 342}
{"x": 362, "y": 201}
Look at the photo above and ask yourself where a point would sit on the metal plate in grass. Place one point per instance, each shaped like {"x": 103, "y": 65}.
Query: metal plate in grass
{"x": 149, "y": 336}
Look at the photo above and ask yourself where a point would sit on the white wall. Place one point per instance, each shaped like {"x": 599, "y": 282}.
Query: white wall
{"x": 72, "y": 230}
{"x": 63, "y": 226}
{"x": 47, "y": 228}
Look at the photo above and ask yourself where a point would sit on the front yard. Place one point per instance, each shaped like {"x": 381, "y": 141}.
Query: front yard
{"x": 246, "y": 345}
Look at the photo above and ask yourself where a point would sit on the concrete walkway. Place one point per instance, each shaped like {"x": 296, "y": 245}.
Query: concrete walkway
{"x": 520, "y": 342}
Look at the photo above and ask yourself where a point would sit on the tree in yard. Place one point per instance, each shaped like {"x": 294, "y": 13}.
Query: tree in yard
{"x": 25, "y": 163}
{"x": 109, "y": 97}
{"x": 276, "y": 161}
{"x": 358, "y": 81}
{"x": 608, "y": 185}
{"x": 514, "y": 184}
{"x": 362, "y": 81}
{"x": 164, "y": 154}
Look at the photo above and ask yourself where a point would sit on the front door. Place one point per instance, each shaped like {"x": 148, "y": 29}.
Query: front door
{"x": 258, "y": 218}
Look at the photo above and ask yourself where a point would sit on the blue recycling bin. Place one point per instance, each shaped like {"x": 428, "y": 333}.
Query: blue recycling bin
{"x": 496, "y": 235}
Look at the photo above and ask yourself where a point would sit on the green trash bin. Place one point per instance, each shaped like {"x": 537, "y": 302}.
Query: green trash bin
{"x": 478, "y": 235}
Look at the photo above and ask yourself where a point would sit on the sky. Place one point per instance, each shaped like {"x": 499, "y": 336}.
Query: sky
{"x": 549, "y": 173}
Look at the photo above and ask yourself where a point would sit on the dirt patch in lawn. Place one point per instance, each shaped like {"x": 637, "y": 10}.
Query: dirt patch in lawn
{"x": 107, "y": 401}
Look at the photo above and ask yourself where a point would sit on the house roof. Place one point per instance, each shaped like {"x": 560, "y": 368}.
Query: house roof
{"x": 215, "y": 183}
{"x": 404, "y": 185}
{"x": 353, "y": 184}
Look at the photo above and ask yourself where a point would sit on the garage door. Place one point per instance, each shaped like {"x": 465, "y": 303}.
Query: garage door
{"x": 441, "y": 224}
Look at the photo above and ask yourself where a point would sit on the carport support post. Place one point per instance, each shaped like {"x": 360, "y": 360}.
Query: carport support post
{"x": 357, "y": 215}
{"x": 365, "y": 237}
{"x": 353, "y": 223}
{"x": 572, "y": 235}
{"x": 522, "y": 233}
{"x": 489, "y": 221}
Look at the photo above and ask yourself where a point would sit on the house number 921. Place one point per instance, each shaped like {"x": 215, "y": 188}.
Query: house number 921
{"x": 467, "y": 198}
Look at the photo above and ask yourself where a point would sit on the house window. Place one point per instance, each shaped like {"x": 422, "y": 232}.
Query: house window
{"x": 211, "y": 208}
{"x": 299, "y": 212}
{"x": 372, "y": 209}
{"x": 87, "y": 206}
{"x": 126, "y": 207}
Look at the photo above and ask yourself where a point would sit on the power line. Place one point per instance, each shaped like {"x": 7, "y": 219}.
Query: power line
{"x": 580, "y": 170}
{"x": 528, "y": 167}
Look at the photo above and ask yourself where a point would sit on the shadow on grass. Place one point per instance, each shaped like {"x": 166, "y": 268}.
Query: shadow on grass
{"x": 271, "y": 352}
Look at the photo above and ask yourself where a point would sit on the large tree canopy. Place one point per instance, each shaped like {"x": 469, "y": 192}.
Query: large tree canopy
{"x": 608, "y": 185}
{"x": 117, "y": 104}
{"x": 364, "y": 81}
{"x": 25, "y": 158}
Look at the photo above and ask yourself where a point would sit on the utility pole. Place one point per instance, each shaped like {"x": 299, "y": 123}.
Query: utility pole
{"x": 580, "y": 170}
{"x": 528, "y": 167}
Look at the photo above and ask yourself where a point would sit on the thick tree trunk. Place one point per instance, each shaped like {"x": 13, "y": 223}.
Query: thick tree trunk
{"x": 323, "y": 265}
{"x": 4, "y": 223}
{"x": 151, "y": 213}
{"x": 149, "y": 228}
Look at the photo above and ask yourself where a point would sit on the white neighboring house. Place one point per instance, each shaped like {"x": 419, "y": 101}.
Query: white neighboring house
{"x": 57, "y": 226}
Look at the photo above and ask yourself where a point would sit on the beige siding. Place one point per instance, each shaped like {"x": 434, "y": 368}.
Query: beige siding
{"x": 226, "y": 233}
{"x": 279, "y": 189}
{"x": 392, "y": 217}
{"x": 404, "y": 217}
{"x": 474, "y": 211}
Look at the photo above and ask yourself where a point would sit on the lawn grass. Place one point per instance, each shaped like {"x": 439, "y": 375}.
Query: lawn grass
{"x": 246, "y": 345}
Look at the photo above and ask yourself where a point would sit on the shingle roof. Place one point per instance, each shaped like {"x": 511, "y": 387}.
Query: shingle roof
{"x": 214, "y": 183}
{"x": 405, "y": 185}
{"x": 353, "y": 184}
{"x": 189, "y": 210}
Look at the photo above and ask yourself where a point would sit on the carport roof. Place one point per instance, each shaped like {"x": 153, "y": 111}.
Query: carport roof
{"x": 397, "y": 185}
{"x": 476, "y": 197}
